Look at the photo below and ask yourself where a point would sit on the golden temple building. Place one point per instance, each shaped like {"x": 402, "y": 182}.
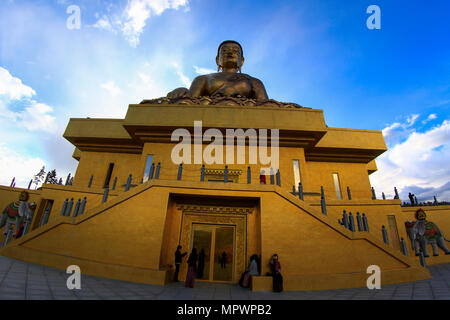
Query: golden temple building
{"x": 130, "y": 204}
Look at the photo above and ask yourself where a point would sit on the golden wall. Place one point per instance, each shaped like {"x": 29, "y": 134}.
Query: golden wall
{"x": 133, "y": 236}
{"x": 97, "y": 164}
{"x": 137, "y": 230}
{"x": 313, "y": 174}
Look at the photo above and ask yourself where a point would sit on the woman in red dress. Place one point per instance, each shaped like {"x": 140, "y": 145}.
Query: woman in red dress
{"x": 275, "y": 268}
{"x": 192, "y": 269}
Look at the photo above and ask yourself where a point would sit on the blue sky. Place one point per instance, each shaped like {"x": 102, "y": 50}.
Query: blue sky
{"x": 318, "y": 54}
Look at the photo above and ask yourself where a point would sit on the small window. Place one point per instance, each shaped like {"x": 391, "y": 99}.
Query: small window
{"x": 297, "y": 179}
{"x": 108, "y": 175}
{"x": 43, "y": 215}
{"x": 393, "y": 232}
{"x": 337, "y": 186}
{"x": 147, "y": 168}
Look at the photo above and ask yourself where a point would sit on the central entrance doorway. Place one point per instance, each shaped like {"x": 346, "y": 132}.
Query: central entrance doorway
{"x": 216, "y": 249}
{"x": 222, "y": 234}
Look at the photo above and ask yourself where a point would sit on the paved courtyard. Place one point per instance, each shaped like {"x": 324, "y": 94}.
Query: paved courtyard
{"x": 21, "y": 280}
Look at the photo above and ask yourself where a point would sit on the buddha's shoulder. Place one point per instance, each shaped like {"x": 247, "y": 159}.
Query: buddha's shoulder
{"x": 229, "y": 77}
{"x": 206, "y": 77}
{"x": 240, "y": 76}
{"x": 254, "y": 80}
{"x": 209, "y": 75}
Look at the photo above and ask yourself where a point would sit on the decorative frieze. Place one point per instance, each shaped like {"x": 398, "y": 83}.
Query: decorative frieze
{"x": 206, "y": 209}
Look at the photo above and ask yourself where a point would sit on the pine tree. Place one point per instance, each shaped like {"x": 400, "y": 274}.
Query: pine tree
{"x": 52, "y": 178}
{"x": 39, "y": 177}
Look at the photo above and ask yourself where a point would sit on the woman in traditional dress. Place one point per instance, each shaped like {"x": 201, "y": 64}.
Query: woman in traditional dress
{"x": 192, "y": 269}
{"x": 275, "y": 268}
{"x": 251, "y": 271}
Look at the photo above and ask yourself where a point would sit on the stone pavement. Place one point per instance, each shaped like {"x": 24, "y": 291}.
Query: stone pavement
{"x": 21, "y": 280}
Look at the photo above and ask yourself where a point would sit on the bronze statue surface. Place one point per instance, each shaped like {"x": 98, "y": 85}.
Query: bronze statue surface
{"x": 228, "y": 86}
{"x": 222, "y": 101}
{"x": 227, "y": 82}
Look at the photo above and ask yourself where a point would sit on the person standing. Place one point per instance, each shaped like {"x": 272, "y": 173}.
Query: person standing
{"x": 178, "y": 257}
{"x": 223, "y": 260}
{"x": 192, "y": 269}
{"x": 275, "y": 268}
{"x": 262, "y": 177}
{"x": 201, "y": 263}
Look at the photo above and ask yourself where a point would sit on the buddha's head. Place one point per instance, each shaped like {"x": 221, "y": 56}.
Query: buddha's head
{"x": 230, "y": 56}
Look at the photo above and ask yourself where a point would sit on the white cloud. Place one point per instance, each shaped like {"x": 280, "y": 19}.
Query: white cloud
{"x": 111, "y": 87}
{"x": 390, "y": 130}
{"x": 6, "y": 113}
{"x": 397, "y": 131}
{"x": 200, "y": 70}
{"x": 431, "y": 117}
{"x": 13, "y": 88}
{"x": 104, "y": 23}
{"x": 419, "y": 144}
{"x": 13, "y": 164}
{"x": 36, "y": 117}
{"x": 136, "y": 13}
{"x": 133, "y": 19}
{"x": 420, "y": 162}
{"x": 410, "y": 120}
{"x": 139, "y": 76}
{"x": 183, "y": 78}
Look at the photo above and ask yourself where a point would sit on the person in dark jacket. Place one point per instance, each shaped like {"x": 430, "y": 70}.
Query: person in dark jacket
{"x": 201, "y": 264}
{"x": 178, "y": 257}
{"x": 275, "y": 268}
{"x": 192, "y": 269}
{"x": 223, "y": 260}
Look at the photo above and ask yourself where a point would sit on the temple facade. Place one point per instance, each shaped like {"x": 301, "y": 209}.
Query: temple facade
{"x": 225, "y": 170}
{"x": 130, "y": 204}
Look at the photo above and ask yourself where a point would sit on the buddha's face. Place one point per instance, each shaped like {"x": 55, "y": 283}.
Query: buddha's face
{"x": 230, "y": 56}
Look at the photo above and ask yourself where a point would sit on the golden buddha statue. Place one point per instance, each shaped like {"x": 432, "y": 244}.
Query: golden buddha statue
{"x": 228, "y": 81}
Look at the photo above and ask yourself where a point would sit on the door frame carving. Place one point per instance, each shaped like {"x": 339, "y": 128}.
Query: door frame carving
{"x": 216, "y": 215}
